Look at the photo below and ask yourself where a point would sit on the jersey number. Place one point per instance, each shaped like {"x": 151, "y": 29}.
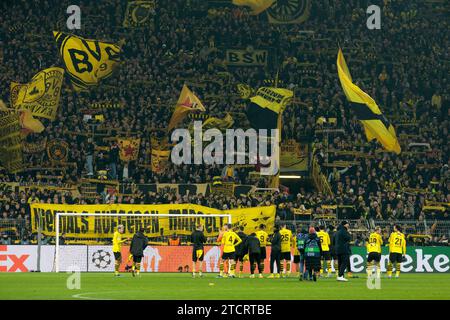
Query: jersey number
{"x": 398, "y": 242}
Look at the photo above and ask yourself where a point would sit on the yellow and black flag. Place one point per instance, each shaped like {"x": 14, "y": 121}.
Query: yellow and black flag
{"x": 187, "y": 102}
{"x": 266, "y": 106}
{"x": 87, "y": 61}
{"x": 41, "y": 95}
{"x": 367, "y": 111}
{"x": 139, "y": 13}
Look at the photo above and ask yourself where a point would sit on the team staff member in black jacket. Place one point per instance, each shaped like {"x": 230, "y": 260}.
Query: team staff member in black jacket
{"x": 137, "y": 247}
{"x": 197, "y": 239}
{"x": 240, "y": 253}
{"x": 252, "y": 247}
{"x": 343, "y": 250}
{"x": 275, "y": 253}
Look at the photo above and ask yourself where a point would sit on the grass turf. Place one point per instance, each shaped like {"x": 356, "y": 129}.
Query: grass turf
{"x": 180, "y": 286}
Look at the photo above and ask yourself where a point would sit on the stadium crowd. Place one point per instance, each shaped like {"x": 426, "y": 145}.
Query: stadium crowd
{"x": 404, "y": 67}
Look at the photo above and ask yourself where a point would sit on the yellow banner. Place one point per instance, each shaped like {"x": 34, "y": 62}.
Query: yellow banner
{"x": 87, "y": 61}
{"x": 275, "y": 99}
{"x": 10, "y": 142}
{"x": 145, "y": 216}
{"x": 41, "y": 95}
{"x": 128, "y": 148}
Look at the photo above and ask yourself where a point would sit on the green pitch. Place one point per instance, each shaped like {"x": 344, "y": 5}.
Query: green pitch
{"x": 173, "y": 286}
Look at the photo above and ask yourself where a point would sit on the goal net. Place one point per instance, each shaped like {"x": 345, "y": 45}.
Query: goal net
{"x": 84, "y": 240}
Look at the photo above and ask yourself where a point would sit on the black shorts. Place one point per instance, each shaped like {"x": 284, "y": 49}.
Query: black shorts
{"x": 198, "y": 254}
{"x": 229, "y": 255}
{"x": 286, "y": 256}
{"x": 395, "y": 257}
{"x": 263, "y": 254}
{"x": 296, "y": 259}
{"x": 117, "y": 256}
{"x": 326, "y": 255}
{"x": 312, "y": 263}
{"x": 137, "y": 259}
{"x": 374, "y": 256}
{"x": 239, "y": 257}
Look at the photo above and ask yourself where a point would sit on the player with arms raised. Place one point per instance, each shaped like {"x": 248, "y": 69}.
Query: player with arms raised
{"x": 374, "y": 252}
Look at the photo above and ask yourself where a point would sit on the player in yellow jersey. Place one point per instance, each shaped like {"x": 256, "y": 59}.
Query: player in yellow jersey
{"x": 326, "y": 254}
{"x": 286, "y": 243}
{"x": 222, "y": 272}
{"x": 374, "y": 252}
{"x": 397, "y": 251}
{"x": 262, "y": 236}
{"x": 117, "y": 248}
{"x": 230, "y": 240}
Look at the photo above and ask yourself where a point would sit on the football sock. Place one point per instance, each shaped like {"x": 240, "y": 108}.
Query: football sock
{"x": 328, "y": 266}
{"x": 221, "y": 268}
{"x": 116, "y": 267}
{"x": 288, "y": 267}
{"x": 138, "y": 268}
{"x": 232, "y": 268}
{"x": 389, "y": 269}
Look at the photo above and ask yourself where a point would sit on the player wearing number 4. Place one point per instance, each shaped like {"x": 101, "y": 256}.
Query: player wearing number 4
{"x": 397, "y": 251}
{"x": 230, "y": 240}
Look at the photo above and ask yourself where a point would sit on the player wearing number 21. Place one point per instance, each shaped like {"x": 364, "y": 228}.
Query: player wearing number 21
{"x": 397, "y": 251}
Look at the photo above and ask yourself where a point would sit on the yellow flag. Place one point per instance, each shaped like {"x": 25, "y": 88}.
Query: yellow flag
{"x": 375, "y": 124}
{"x": 128, "y": 148}
{"x": 160, "y": 158}
{"x": 187, "y": 102}
{"x": 213, "y": 122}
{"x": 257, "y": 6}
{"x": 30, "y": 124}
{"x": 87, "y": 61}
{"x": 41, "y": 95}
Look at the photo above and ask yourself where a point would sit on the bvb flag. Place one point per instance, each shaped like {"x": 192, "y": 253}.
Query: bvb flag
{"x": 139, "y": 13}
{"x": 87, "y": 61}
{"x": 266, "y": 106}
{"x": 187, "y": 102}
{"x": 128, "y": 148}
{"x": 41, "y": 95}
{"x": 257, "y": 6}
{"x": 367, "y": 111}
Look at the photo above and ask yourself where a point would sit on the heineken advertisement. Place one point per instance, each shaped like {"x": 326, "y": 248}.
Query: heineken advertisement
{"x": 418, "y": 259}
